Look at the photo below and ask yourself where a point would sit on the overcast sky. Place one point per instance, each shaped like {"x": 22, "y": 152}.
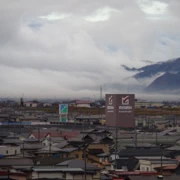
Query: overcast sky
{"x": 69, "y": 48}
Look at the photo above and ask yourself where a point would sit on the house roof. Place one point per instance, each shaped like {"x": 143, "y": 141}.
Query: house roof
{"x": 129, "y": 163}
{"x": 49, "y": 149}
{"x": 103, "y": 155}
{"x": 56, "y": 169}
{"x": 54, "y": 133}
{"x": 142, "y": 177}
{"x": 50, "y": 160}
{"x": 22, "y": 168}
{"x": 12, "y": 141}
{"x": 4, "y": 133}
{"x": 140, "y": 145}
{"x": 174, "y": 148}
{"x": 68, "y": 150}
{"x": 77, "y": 163}
{"x": 95, "y": 151}
{"x": 141, "y": 152}
{"x": 165, "y": 161}
{"x": 31, "y": 140}
{"x": 16, "y": 161}
{"x": 169, "y": 167}
{"x": 62, "y": 144}
{"x": 34, "y": 146}
{"x": 57, "y": 139}
{"x": 77, "y": 138}
{"x": 83, "y": 102}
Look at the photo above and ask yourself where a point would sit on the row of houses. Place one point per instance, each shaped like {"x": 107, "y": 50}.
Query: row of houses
{"x": 77, "y": 103}
{"x": 55, "y": 154}
{"x": 71, "y": 154}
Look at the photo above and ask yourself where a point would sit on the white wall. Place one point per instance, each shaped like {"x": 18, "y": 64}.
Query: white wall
{"x": 69, "y": 176}
{"x": 83, "y": 105}
{"x": 30, "y": 104}
{"x": 36, "y": 175}
{"x": 145, "y": 165}
{"x": 10, "y": 150}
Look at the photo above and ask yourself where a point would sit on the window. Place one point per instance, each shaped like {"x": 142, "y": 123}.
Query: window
{"x": 6, "y": 151}
{"x": 77, "y": 155}
{"x": 15, "y": 152}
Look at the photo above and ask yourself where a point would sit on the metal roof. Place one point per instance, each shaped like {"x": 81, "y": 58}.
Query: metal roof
{"x": 50, "y": 169}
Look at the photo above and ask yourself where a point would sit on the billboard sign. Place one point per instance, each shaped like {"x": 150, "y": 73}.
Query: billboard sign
{"x": 63, "y": 112}
{"x": 120, "y": 110}
{"x": 63, "y": 118}
{"x": 63, "y": 109}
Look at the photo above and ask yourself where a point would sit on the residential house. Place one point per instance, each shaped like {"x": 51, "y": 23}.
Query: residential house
{"x": 104, "y": 147}
{"x": 62, "y": 145}
{"x": 58, "y": 173}
{"x": 83, "y": 103}
{"x": 6, "y": 174}
{"x": 31, "y": 145}
{"x": 48, "y": 151}
{"x": 72, "y": 153}
{"x": 12, "y": 140}
{"x": 32, "y": 104}
{"x": 145, "y": 152}
{"x": 16, "y": 162}
{"x": 92, "y": 171}
{"x": 7, "y": 150}
{"x": 50, "y": 160}
{"x": 99, "y": 158}
{"x": 152, "y": 164}
{"x": 47, "y": 105}
{"x": 126, "y": 164}
{"x": 18, "y": 168}
{"x": 43, "y": 133}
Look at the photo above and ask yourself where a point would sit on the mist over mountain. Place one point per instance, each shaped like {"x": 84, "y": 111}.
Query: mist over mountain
{"x": 167, "y": 75}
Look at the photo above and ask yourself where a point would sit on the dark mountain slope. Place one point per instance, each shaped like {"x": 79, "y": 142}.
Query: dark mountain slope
{"x": 166, "y": 82}
{"x": 151, "y": 70}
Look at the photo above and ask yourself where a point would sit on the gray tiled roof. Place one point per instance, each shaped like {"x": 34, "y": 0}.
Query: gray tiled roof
{"x": 62, "y": 144}
{"x": 68, "y": 150}
{"x": 34, "y": 146}
{"x": 48, "y": 149}
{"x": 50, "y": 169}
{"x": 12, "y": 141}
{"x": 16, "y": 162}
{"x": 77, "y": 163}
{"x": 174, "y": 148}
{"x": 172, "y": 177}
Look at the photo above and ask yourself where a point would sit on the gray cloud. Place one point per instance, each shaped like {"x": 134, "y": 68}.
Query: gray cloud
{"x": 71, "y": 48}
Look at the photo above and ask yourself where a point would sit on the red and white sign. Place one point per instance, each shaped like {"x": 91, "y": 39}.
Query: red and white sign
{"x": 125, "y": 100}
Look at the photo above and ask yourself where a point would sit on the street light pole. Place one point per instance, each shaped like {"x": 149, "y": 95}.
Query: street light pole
{"x": 85, "y": 162}
{"x": 116, "y": 146}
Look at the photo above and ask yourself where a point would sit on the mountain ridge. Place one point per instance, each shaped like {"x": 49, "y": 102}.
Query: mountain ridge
{"x": 166, "y": 82}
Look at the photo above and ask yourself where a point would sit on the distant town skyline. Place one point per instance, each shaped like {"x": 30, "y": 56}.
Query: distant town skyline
{"x": 68, "y": 48}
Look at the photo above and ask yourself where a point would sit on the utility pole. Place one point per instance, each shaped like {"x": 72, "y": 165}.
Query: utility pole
{"x": 23, "y": 148}
{"x": 85, "y": 162}
{"x": 38, "y": 133}
{"x": 49, "y": 143}
{"x": 8, "y": 173}
{"x": 156, "y": 138}
{"x": 116, "y": 147}
{"x": 161, "y": 159}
